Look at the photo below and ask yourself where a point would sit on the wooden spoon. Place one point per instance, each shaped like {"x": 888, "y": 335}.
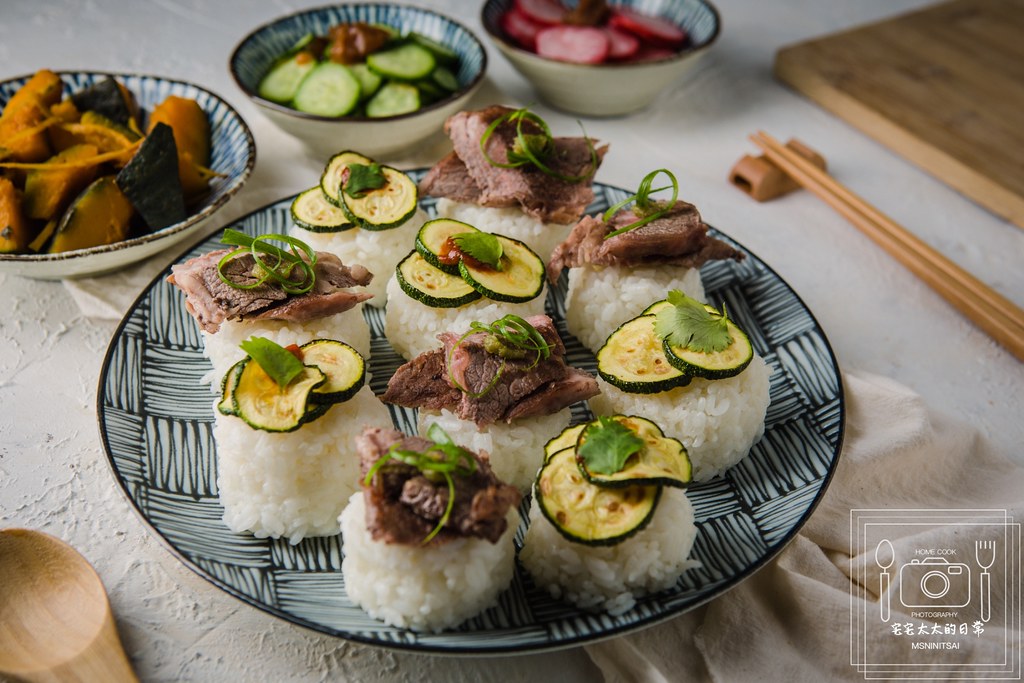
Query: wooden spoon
{"x": 55, "y": 619}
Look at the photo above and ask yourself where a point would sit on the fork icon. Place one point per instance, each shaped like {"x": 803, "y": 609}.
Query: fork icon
{"x": 985, "y": 554}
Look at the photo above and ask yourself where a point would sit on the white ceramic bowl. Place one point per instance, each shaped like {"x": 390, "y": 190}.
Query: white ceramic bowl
{"x": 375, "y": 137}
{"x": 612, "y": 89}
{"x": 233, "y": 155}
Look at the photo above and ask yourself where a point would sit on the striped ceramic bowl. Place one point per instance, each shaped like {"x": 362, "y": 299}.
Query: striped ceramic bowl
{"x": 233, "y": 155}
{"x": 375, "y": 137}
{"x": 610, "y": 89}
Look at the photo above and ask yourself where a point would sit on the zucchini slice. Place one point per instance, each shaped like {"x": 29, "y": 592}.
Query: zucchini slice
{"x": 431, "y": 286}
{"x": 633, "y": 359}
{"x": 226, "y": 405}
{"x": 567, "y": 439}
{"x": 387, "y": 207}
{"x": 264, "y": 405}
{"x": 655, "y": 307}
{"x": 334, "y": 172}
{"x": 520, "y": 279}
{"x": 311, "y": 211}
{"x": 662, "y": 460}
{"x": 344, "y": 368}
{"x": 730, "y": 361}
{"x": 432, "y": 242}
{"x": 589, "y": 514}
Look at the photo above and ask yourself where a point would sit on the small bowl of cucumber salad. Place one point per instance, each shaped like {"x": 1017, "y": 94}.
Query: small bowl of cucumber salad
{"x": 376, "y": 76}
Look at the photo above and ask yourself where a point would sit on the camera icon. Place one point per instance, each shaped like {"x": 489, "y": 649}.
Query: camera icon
{"x": 935, "y": 582}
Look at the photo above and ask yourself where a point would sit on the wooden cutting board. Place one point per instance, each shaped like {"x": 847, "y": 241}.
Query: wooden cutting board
{"x": 943, "y": 86}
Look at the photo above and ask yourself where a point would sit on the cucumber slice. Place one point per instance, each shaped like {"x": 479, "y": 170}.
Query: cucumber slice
{"x": 393, "y": 99}
{"x": 589, "y": 514}
{"x": 633, "y": 359}
{"x": 369, "y": 81}
{"x": 444, "y": 77}
{"x": 282, "y": 81}
{"x": 567, "y": 439}
{"x": 432, "y": 243}
{"x": 330, "y": 179}
{"x": 264, "y": 405}
{"x": 520, "y": 279}
{"x": 442, "y": 53}
{"x": 429, "y": 91}
{"x": 387, "y": 207}
{"x": 431, "y": 286}
{"x": 662, "y": 460}
{"x": 311, "y": 211}
{"x": 342, "y": 365}
{"x": 728, "y": 362}
{"x": 226, "y": 406}
{"x": 406, "y": 62}
{"x": 328, "y": 90}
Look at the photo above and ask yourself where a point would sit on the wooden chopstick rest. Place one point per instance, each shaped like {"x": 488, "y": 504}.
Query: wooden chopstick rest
{"x": 763, "y": 180}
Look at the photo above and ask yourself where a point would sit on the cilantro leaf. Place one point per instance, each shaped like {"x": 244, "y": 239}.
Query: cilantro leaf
{"x": 277, "y": 361}
{"x": 687, "y": 323}
{"x": 362, "y": 178}
{"x": 607, "y": 445}
{"x": 482, "y": 246}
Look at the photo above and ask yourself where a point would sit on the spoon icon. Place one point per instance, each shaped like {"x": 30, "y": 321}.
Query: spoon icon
{"x": 55, "y": 619}
{"x": 884, "y": 557}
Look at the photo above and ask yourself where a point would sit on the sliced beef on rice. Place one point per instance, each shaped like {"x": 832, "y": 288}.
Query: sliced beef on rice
{"x": 449, "y": 178}
{"x": 481, "y": 382}
{"x": 540, "y": 195}
{"x": 403, "y": 505}
{"x": 679, "y": 237}
{"x": 211, "y": 301}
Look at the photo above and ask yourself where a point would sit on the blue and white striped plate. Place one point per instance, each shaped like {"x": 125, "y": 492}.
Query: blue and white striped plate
{"x": 156, "y": 423}
{"x": 232, "y": 156}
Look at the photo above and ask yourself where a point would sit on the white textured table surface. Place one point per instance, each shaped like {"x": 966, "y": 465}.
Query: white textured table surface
{"x": 54, "y": 475}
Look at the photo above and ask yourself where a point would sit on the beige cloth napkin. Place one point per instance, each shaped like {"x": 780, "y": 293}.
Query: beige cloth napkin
{"x": 792, "y": 620}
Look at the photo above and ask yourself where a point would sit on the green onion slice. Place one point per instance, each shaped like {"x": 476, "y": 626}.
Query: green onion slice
{"x": 272, "y": 262}
{"x": 534, "y": 148}
{"x": 646, "y": 208}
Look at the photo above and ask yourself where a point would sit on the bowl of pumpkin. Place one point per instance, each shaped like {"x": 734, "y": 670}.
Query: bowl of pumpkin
{"x": 101, "y": 170}
{"x": 374, "y": 77}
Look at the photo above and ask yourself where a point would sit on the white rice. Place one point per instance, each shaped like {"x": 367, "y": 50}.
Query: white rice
{"x": 516, "y": 450}
{"x": 717, "y": 420}
{"x": 599, "y": 298}
{"x": 379, "y": 251}
{"x": 412, "y": 327}
{"x": 223, "y": 351}
{"x": 424, "y": 589}
{"x": 293, "y": 484}
{"x": 610, "y": 578}
{"x": 512, "y": 222}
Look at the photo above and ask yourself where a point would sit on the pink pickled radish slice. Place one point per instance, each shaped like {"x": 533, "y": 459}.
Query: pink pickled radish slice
{"x": 542, "y": 11}
{"x": 654, "y": 29}
{"x": 621, "y": 45}
{"x": 520, "y": 28}
{"x": 580, "y": 44}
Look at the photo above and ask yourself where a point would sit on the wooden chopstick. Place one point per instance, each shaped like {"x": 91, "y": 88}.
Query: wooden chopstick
{"x": 999, "y": 317}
